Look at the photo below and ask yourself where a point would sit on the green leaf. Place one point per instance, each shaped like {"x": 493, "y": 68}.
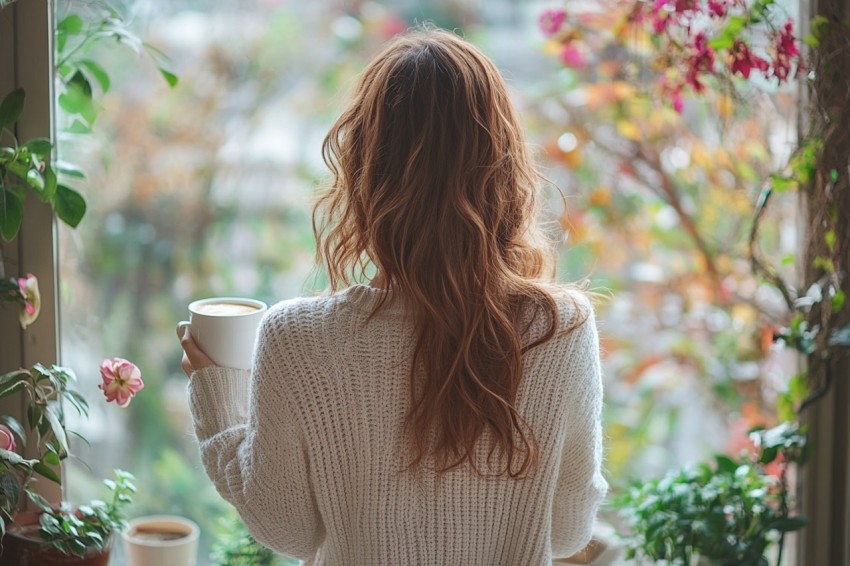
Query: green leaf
{"x": 169, "y": 77}
{"x": 15, "y": 458}
{"x": 818, "y": 25}
{"x": 39, "y": 146}
{"x": 70, "y": 24}
{"x": 838, "y": 300}
{"x": 99, "y": 74}
{"x": 34, "y": 415}
{"x": 77, "y": 127}
{"x": 35, "y": 181}
{"x": 57, "y": 427}
{"x": 829, "y": 238}
{"x": 47, "y": 472}
{"x": 768, "y": 454}
{"x": 11, "y": 108}
{"x": 78, "y": 401}
{"x": 11, "y": 214}
{"x": 70, "y": 205}
{"x": 50, "y": 184}
{"x": 725, "y": 464}
{"x": 77, "y": 98}
{"x": 781, "y": 183}
{"x": 70, "y": 169}
{"x": 51, "y": 458}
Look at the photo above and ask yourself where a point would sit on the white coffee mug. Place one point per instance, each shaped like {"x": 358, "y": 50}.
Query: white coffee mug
{"x": 225, "y": 328}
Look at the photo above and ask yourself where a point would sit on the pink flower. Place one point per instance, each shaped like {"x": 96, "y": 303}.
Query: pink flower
{"x": 786, "y": 50}
{"x": 744, "y": 60}
{"x": 551, "y": 21}
{"x": 572, "y": 57}
{"x": 32, "y": 300}
{"x": 678, "y": 104}
{"x": 7, "y": 439}
{"x": 701, "y": 61}
{"x": 717, "y": 8}
{"x": 121, "y": 380}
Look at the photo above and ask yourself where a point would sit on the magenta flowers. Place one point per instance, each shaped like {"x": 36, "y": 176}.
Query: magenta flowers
{"x": 696, "y": 45}
{"x": 121, "y": 380}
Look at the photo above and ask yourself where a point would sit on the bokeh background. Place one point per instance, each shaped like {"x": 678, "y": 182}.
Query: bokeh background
{"x": 206, "y": 189}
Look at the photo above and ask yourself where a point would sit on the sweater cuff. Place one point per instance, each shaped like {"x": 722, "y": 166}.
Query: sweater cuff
{"x": 218, "y": 399}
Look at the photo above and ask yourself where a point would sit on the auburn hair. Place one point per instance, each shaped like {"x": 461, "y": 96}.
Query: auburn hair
{"x": 432, "y": 184}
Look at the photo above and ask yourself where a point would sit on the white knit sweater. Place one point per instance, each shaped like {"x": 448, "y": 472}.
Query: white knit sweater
{"x": 311, "y": 449}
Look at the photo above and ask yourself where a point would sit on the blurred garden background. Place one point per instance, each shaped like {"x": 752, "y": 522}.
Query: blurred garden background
{"x": 206, "y": 188}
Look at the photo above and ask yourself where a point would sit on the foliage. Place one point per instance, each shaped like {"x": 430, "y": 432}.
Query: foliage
{"x": 234, "y": 545}
{"x": 42, "y": 388}
{"x": 26, "y": 168}
{"x": 45, "y": 390}
{"x": 73, "y": 532}
{"x": 729, "y": 512}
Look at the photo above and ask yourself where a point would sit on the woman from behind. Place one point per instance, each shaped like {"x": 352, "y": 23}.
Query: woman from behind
{"x": 447, "y": 413}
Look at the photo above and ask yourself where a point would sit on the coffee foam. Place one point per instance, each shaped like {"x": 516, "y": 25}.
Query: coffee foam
{"x": 225, "y": 309}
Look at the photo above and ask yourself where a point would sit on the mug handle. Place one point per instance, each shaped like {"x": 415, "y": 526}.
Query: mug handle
{"x": 181, "y": 325}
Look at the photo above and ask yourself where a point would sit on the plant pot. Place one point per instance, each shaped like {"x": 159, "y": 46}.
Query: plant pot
{"x": 157, "y": 540}
{"x": 22, "y": 546}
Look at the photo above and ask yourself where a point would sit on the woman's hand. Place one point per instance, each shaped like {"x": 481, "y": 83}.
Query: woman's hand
{"x": 193, "y": 357}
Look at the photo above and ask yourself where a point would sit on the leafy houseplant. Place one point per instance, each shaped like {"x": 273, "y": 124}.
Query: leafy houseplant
{"x": 728, "y": 513}
{"x": 26, "y": 167}
{"x": 87, "y": 528}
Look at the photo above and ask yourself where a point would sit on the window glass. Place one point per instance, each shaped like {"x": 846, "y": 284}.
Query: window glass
{"x": 205, "y": 189}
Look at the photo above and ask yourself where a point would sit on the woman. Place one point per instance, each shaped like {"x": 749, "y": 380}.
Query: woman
{"x": 448, "y": 412}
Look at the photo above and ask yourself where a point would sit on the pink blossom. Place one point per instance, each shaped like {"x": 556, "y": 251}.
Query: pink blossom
{"x": 678, "y": 104}
{"x": 121, "y": 380}
{"x": 701, "y": 61}
{"x": 551, "y": 21}
{"x": 7, "y": 439}
{"x": 659, "y": 23}
{"x": 684, "y": 6}
{"x": 572, "y": 57}
{"x": 32, "y": 300}
{"x": 744, "y": 60}
{"x": 717, "y": 8}
{"x": 786, "y": 50}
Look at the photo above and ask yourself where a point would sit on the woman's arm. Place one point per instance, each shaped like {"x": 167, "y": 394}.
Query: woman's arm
{"x": 580, "y": 487}
{"x": 253, "y": 448}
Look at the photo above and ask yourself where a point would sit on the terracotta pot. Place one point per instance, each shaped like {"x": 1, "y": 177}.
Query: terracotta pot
{"x": 23, "y": 547}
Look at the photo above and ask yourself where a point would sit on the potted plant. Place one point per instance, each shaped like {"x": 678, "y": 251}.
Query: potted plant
{"x": 726, "y": 513}
{"x": 51, "y": 534}
{"x": 32, "y": 530}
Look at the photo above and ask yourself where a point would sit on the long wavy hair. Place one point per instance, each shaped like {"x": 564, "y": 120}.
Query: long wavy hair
{"x": 433, "y": 185}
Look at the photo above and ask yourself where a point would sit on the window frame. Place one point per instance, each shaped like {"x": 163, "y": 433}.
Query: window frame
{"x": 26, "y": 61}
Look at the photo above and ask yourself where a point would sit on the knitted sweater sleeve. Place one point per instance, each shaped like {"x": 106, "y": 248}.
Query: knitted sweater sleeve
{"x": 254, "y": 450}
{"x": 580, "y": 486}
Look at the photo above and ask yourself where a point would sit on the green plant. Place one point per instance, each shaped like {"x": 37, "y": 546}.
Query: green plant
{"x": 729, "y": 512}
{"x": 89, "y": 526}
{"x": 26, "y": 167}
{"x": 45, "y": 389}
{"x": 234, "y": 545}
